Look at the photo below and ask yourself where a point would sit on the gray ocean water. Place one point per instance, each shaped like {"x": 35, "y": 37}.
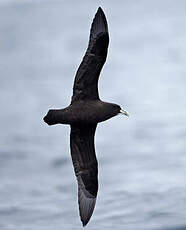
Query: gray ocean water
{"x": 142, "y": 159}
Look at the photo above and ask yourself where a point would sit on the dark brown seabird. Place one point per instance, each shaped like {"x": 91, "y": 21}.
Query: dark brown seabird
{"x": 83, "y": 114}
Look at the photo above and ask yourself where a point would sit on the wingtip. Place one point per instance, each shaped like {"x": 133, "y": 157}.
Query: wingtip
{"x": 86, "y": 203}
{"x": 100, "y": 11}
{"x": 84, "y": 224}
{"x": 86, "y": 212}
{"x": 99, "y": 24}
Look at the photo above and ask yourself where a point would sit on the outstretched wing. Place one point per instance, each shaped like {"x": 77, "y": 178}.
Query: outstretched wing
{"x": 86, "y": 79}
{"x": 85, "y": 167}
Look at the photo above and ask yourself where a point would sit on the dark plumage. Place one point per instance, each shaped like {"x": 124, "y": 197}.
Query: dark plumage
{"x": 83, "y": 114}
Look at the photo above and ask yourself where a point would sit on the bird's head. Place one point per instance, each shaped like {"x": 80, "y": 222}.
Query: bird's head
{"x": 118, "y": 110}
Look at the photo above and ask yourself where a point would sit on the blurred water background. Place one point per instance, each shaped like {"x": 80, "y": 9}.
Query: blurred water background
{"x": 142, "y": 159}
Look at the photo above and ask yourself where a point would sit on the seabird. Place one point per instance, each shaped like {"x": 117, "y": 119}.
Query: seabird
{"x": 83, "y": 114}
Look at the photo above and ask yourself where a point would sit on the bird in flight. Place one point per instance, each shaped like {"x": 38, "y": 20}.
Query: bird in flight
{"x": 83, "y": 114}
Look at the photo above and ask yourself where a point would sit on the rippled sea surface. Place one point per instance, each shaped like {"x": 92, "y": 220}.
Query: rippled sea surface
{"x": 142, "y": 159}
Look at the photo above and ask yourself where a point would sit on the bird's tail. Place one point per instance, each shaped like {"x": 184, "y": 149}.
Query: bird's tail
{"x": 52, "y": 117}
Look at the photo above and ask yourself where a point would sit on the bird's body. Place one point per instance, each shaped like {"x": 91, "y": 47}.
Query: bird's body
{"x": 93, "y": 112}
{"x": 84, "y": 113}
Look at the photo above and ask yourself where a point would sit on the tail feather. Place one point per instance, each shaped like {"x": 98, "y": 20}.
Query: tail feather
{"x": 51, "y": 117}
